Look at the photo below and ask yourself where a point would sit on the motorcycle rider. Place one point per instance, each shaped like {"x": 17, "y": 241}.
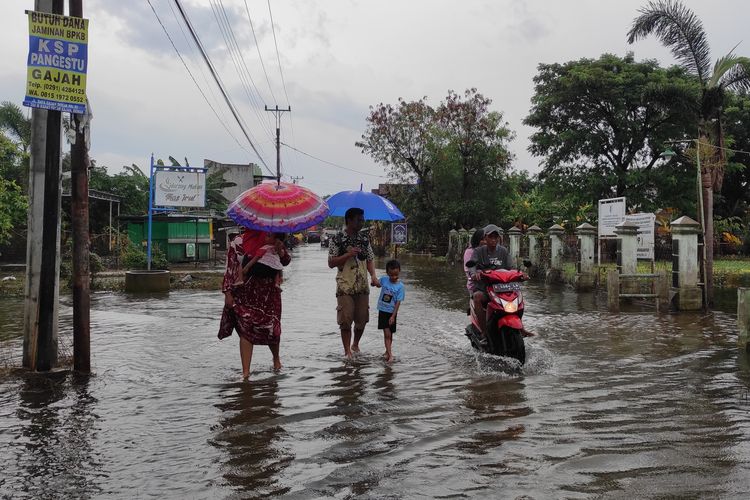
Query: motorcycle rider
{"x": 491, "y": 255}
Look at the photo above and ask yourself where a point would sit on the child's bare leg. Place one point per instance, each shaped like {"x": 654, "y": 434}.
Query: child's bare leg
{"x": 388, "y": 340}
{"x": 275, "y": 352}
{"x": 246, "y": 355}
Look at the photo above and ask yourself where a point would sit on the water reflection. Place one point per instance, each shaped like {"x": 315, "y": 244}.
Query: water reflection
{"x": 58, "y": 424}
{"x": 383, "y": 384}
{"x": 498, "y": 407}
{"x": 250, "y": 435}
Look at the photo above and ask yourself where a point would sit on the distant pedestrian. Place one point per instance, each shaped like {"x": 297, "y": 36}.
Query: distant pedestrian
{"x": 351, "y": 254}
{"x": 391, "y": 296}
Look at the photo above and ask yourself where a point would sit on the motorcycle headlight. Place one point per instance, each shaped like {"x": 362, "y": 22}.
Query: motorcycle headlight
{"x": 510, "y": 307}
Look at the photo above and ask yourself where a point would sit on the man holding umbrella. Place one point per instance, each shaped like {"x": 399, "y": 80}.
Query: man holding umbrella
{"x": 351, "y": 253}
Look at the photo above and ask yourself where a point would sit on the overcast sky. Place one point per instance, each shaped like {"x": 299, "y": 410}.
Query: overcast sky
{"x": 338, "y": 57}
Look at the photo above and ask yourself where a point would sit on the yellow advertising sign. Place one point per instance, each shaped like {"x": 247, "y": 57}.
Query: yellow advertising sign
{"x": 57, "y": 62}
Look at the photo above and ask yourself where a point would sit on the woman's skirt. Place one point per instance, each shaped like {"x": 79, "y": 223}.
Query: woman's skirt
{"x": 256, "y": 313}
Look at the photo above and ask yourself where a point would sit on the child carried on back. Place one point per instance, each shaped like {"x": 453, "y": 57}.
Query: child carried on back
{"x": 266, "y": 263}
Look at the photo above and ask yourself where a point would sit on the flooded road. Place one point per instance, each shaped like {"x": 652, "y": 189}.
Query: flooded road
{"x": 634, "y": 405}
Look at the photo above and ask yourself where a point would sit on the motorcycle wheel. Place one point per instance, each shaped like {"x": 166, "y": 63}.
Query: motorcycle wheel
{"x": 513, "y": 345}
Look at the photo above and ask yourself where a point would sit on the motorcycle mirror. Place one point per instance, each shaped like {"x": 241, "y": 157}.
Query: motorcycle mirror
{"x": 471, "y": 263}
{"x": 527, "y": 263}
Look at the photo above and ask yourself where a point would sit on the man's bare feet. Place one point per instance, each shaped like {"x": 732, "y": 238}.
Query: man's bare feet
{"x": 348, "y": 355}
{"x": 355, "y": 347}
{"x": 277, "y": 364}
{"x": 388, "y": 358}
{"x": 245, "y": 376}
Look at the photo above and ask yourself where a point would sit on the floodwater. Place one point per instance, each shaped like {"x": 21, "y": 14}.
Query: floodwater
{"x": 635, "y": 405}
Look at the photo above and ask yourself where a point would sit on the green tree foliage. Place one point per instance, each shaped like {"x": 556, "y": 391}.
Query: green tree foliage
{"x": 131, "y": 185}
{"x": 16, "y": 125}
{"x": 734, "y": 199}
{"x": 13, "y": 207}
{"x": 451, "y": 160}
{"x": 601, "y": 128}
{"x": 215, "y": 184}
{"x": 679, "y": 29}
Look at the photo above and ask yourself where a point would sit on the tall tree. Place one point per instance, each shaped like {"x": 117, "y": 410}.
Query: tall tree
{"x": 680, "y": 30}
{"x": 603, "y": 121}
{"x": 734, "y": 199}
{"x": 460, "y": 144}
{"x": 14, "y": 123}
{"x": 13, "y": 207}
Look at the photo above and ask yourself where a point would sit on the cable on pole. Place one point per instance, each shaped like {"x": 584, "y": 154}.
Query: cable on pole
{"x": 219, "y": 83}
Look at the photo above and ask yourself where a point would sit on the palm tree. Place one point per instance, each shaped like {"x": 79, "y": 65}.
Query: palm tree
{"x": 13, "y": 121}
{"x": 680, "y": 30}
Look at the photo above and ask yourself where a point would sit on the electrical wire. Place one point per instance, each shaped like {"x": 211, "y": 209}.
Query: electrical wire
{"x": 169, "y": 37}
{"x": 331, "y": 163}
{"x": 211, "y": 68}
{"x": 239, "y": 61}
{"x": 257, "y": 47}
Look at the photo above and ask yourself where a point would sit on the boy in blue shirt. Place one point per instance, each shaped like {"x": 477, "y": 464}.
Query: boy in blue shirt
{"x": 391, "y": 296}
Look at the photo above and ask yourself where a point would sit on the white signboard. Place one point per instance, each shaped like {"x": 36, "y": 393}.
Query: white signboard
{"x": 175, "y": 188}
{"x": 611, "y": 213}
{"x": 646, "y": 225}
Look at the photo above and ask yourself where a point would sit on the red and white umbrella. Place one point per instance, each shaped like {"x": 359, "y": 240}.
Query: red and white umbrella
{"x": 278, "y": 207}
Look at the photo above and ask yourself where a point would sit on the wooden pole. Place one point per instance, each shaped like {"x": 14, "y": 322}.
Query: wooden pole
{"x": 743, "y": 317}
{"x": 79, "y": 207}
{"x": 613, "y": 290}
{"x": 43, "y": 240}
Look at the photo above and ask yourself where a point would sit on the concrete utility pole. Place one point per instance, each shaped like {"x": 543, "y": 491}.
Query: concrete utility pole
{"x": 79, "y": 216}
{"x": 43, "y": 241}
{"x": 278, "y": 112}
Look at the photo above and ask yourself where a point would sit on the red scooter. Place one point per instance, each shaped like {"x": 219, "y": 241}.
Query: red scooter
{"x": 505, "y": 332}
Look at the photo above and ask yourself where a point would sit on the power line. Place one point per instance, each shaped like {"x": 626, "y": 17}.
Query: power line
{"x": 218, "y": 82}
{"x": 331, "y": 163}
{"x": 257, "y": 47}
{"x": 281, "y": 72}
{"x": 200, "y": 66}
{"x": 193, "y": 78}
{"x": 239, "y": 62}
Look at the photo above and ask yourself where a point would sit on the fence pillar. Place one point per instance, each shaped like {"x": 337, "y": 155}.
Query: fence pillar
{"x": 627, "y": 255}
{"x": 535, "y": 245}
{"x": 743, "y": 317}
{"x": 450, "y": 255}
{"x": 586, "y": 247}
{"x": 556, "y": 246}
{"x": 514, "y": 235}
{"x": 686, "y": 293}
{"x": 554, "y": 273}
{"x": 463, "y": 241}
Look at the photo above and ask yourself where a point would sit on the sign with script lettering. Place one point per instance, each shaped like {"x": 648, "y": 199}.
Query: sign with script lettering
{"x": 57, "y": 63}
{"x": 179, "y": 188}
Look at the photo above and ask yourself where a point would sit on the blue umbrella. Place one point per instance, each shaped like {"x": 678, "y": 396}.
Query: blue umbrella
{"x": 376, "y": 207}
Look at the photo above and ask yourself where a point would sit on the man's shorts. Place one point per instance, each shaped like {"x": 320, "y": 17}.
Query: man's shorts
{"x": 383, "y": 319}
{"x": 353, "y": 308}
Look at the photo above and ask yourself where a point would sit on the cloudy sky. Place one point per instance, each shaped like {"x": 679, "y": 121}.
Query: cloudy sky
{"x": 338, "y": 57}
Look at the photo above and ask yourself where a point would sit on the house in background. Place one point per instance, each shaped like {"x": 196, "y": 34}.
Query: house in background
{"x": 244, "y": 176}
